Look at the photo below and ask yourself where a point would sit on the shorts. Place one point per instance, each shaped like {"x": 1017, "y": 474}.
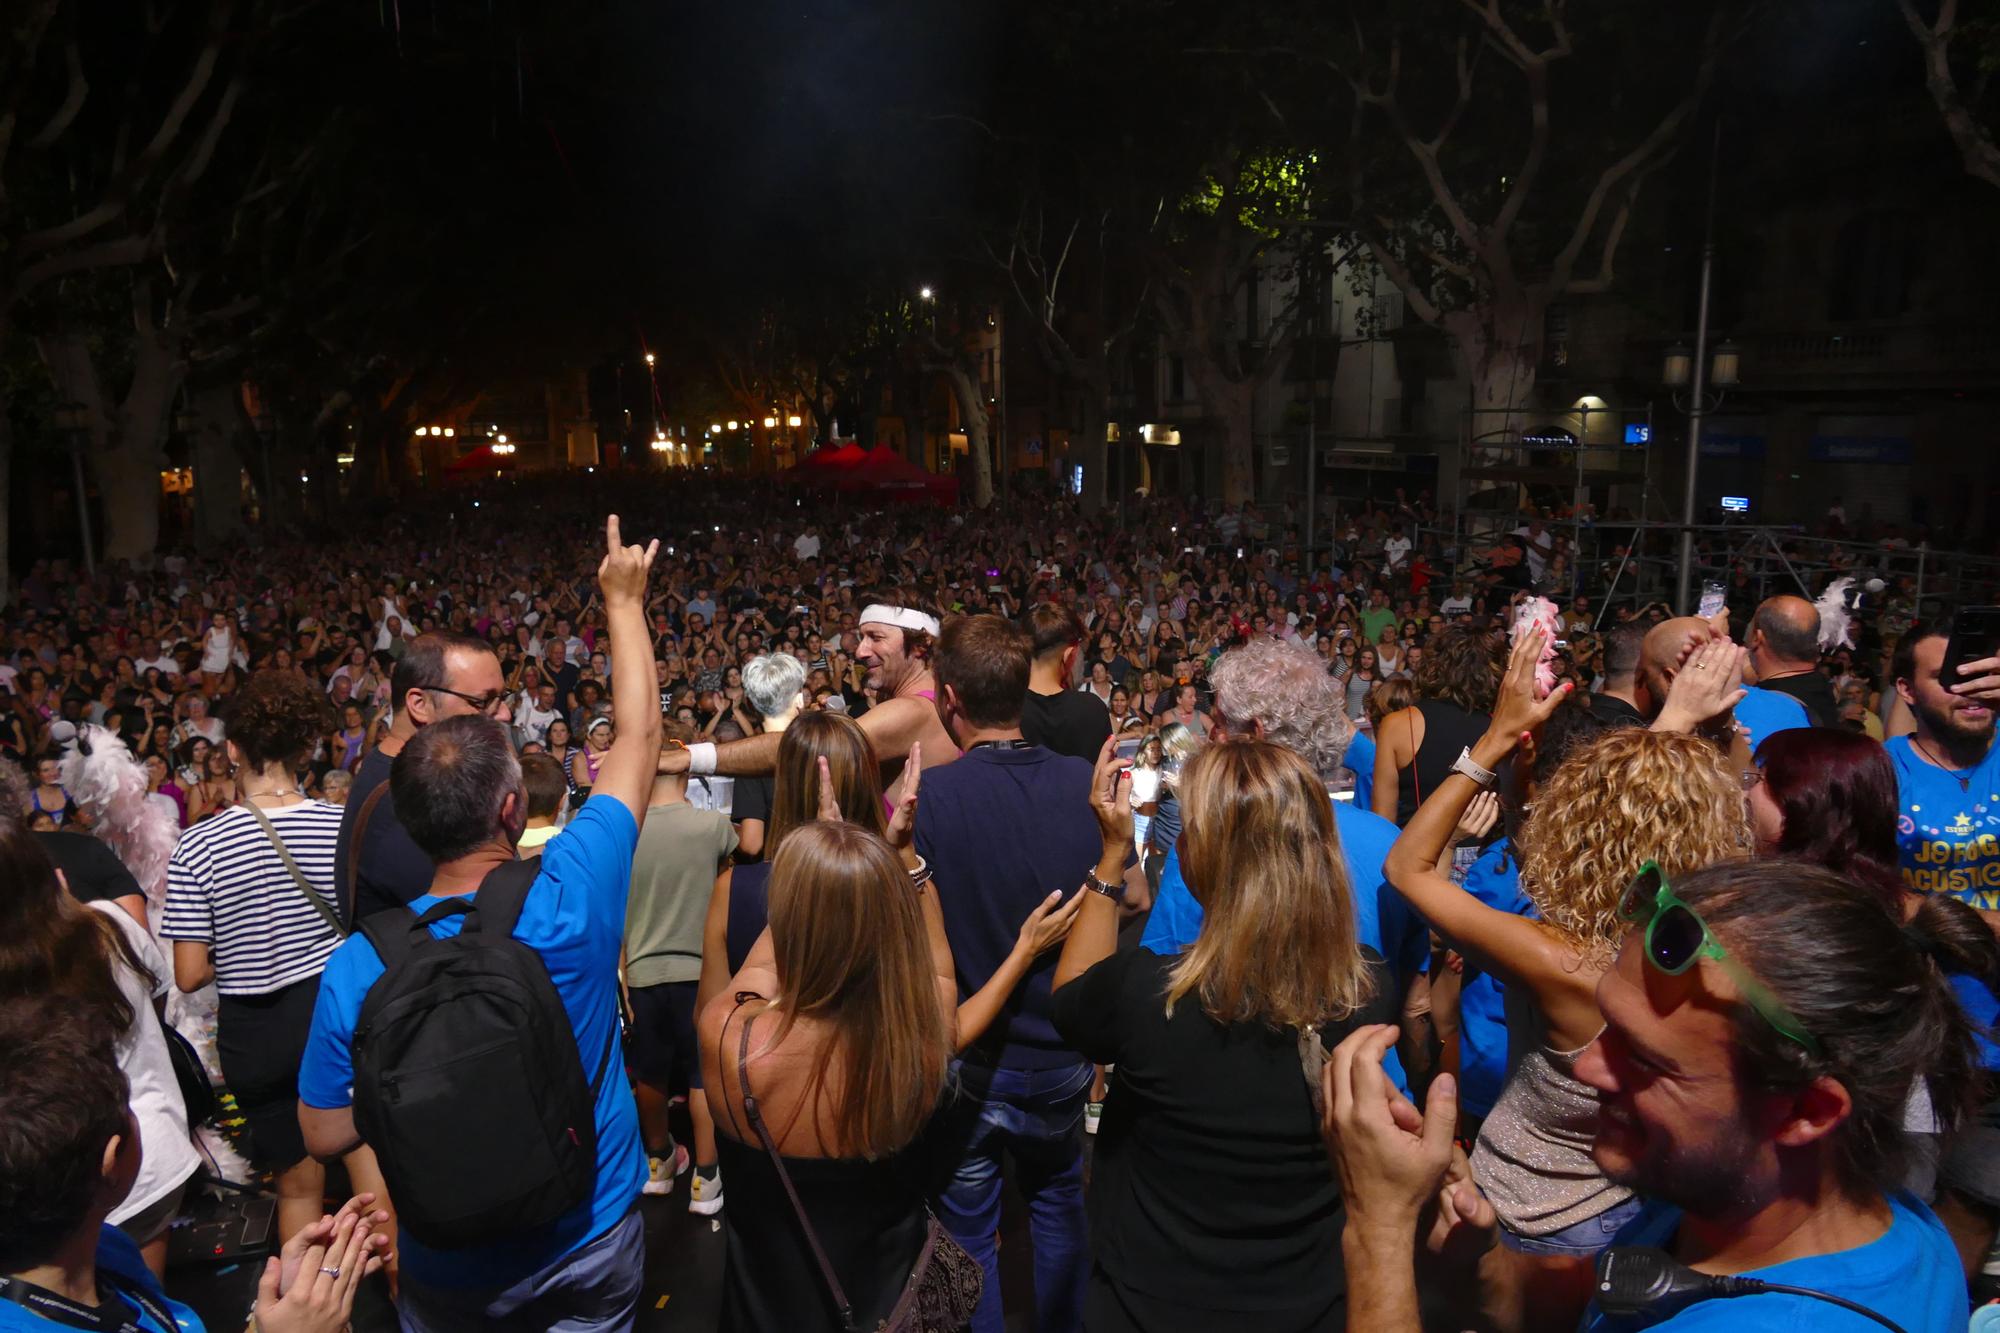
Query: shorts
{"x": 1580, "y": 1238}
{"x": 262, "y": 1042}
{"x": 1971, "y": 1164}
{"x": 664, "y": 1055}
{"x": 151, "y": 1223}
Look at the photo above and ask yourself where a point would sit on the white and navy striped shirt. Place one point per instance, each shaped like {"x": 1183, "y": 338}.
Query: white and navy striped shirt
{"x": 227, "y": 887}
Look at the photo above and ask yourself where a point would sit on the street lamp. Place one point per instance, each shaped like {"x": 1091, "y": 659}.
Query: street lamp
{"x": 770, "y": 422}
{"x": 649, "y": 358}
{"x": 924, "y": 293}
{"x": 795, "y": 421}
{"x": 1695, "y": 371}
{"x": 733, "y": 425}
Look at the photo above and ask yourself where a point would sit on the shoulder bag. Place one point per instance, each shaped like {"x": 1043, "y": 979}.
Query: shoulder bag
{"x": 944, "y": 1284}
{"x": 331, "y": 917}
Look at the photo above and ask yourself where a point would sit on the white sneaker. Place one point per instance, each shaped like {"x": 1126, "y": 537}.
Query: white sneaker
{"x": 1092, "y": 1113}
{"x": 705, "y": 1193}
{"x": 660, "y": 1172}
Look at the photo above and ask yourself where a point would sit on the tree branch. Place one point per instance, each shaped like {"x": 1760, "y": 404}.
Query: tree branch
{"x": 72, "y": 103}
{"x": 1976, "y": 147}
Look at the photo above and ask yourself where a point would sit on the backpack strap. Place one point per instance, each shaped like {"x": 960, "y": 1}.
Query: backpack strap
{"x": 840, "y": 1300}
{"x": 358, "y": 841}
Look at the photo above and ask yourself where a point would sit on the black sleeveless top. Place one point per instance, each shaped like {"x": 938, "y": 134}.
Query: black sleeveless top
{"x": 869, "y": 1216}
{"x": 1447, "y": 730}
{"x": 749, "y": 909}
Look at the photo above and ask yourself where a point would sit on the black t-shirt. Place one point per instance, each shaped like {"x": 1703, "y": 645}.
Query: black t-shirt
{"x": 394, "y": 869}
{"x": 1255, "y": 1228}
{"x": 564, "y": 679}
{"x": 1073, "y": 722}
{"x": 1812, "y": 689}
{"x": 93, "y": 871}
{"x": 1613, "y": 711}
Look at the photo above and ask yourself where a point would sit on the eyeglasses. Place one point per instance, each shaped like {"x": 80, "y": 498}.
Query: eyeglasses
{"x": 481, "y": 703}
{"x": 1677, "y": 938}
{"x": 1752, "y": 778}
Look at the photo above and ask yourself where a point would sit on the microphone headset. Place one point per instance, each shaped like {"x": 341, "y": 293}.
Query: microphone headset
{"x": 1641, "y": 1280}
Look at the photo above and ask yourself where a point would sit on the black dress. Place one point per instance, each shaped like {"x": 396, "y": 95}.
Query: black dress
{"x": 1212, "y": 1203}
{"x": 869, "y": 1217}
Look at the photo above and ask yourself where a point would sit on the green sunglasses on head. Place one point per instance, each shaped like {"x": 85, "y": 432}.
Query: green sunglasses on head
{"x": 1676, "y": 938}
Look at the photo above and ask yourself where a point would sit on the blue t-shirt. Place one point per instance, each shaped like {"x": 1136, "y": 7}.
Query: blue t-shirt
{"x": 119, "y": 1268}
{"x": 1982, "y": 1010}
{"x": 1948, "y": 834}
{"x": 1910, "y": 1273}
{"x": 574, "y": 918}
{"x": 1360, "y": 761}
{"x": 1384, "y": 919}
{"x": 1494, "y": 879}
{"x": 1767, "y": 711}
{"x": 1002, "y": 829}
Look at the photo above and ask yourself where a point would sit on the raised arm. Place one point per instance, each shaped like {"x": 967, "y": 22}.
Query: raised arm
{"x": 627, "y": 772}
{"x": 1095, "y": 934}
{"x": 1512, "y": 947}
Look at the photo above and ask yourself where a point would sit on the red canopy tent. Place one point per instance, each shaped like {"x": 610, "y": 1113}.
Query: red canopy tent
{"x": 886, "y": 473}
{"x": 479, "y": 461}
{"x": 823, "y": 465}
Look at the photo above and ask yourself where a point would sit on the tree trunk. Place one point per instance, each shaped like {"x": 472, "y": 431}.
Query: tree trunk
{"x": 972, "y": 416}
{"x": 6, "y": 498}
{"x": 218, "y": 470}
{"x": 1227, "y": 403}
{"x": 1498, "y": 351}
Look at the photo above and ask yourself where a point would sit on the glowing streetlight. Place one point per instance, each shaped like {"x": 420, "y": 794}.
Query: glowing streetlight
{"x": 734, "y": 425}
{"x": 924, "y": 293}
{"x": 715, "y": 428}
{"x": 649, "y": 358}
{"x": 503, "y": 439}
{"x": 794, "y": 421}
{"x": 769, "y": 422}
{"x": 450, "y": 431}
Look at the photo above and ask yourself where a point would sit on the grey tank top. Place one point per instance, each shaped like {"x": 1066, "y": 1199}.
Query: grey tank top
{"x": 1533, "y": 1156}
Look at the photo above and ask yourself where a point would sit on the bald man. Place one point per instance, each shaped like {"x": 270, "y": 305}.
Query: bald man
{"x": 1669, "y": 643}
{"x": 1784, "y": 656}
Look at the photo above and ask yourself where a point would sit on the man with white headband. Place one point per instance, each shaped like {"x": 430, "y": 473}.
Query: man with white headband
{"x": 896, "y": 642}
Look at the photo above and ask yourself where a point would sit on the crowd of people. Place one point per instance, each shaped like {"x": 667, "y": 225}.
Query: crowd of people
{"x": 875, "y": 864}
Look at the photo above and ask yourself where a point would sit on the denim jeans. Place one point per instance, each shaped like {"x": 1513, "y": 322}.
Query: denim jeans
{"x": 1036, "y": 1118}
{"x": 1579, "y": 1238}
{"x": 594, "y": 1289}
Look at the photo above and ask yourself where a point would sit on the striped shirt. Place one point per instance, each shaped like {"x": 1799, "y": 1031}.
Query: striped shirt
{"x": 227, "y": 887}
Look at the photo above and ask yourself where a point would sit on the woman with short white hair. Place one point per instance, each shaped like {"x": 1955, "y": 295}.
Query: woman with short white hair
{"x": 774, "y": 686}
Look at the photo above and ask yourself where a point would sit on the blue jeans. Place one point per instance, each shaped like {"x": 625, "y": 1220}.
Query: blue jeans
{"x": 1579, "y": 1238}
{"x": 1035, "y": 1117}
{"x": 593, "y": 1289}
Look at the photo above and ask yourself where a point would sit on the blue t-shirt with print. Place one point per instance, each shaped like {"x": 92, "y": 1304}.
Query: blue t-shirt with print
{"x": 1910, "y": 1274}
{"x": 1384, "y": 919}
{"x": 574, "y": 918}
{"x": 1948, "y": 825}
{"x": 119, "y": 1268}
{"x": 1494, "y": 879}
{"x": 1767, "y": 711}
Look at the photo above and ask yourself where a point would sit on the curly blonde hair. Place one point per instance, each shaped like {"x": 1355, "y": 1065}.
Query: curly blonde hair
{"x": 1628, "y": 797}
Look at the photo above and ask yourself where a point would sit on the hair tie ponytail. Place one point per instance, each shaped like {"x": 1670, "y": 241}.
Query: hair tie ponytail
{"x": 1922, "y": 941}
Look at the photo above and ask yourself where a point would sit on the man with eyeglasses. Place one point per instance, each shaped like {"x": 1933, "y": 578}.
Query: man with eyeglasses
{"x": 376, "y": 864}
{"x": 1765, "y": 1023}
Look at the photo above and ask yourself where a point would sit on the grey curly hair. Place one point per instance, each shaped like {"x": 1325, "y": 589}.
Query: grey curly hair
{"x": 772, "y": 681}
{"x": 1285, "y": 690}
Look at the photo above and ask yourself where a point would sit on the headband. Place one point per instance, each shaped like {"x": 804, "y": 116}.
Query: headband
{"x": 899, "y": 616}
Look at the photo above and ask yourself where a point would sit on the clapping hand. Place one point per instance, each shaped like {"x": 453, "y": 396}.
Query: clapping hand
{"x": 310, "y": 1288}
{"x": 1517, "y": 711}
{"x": 1705, "y": 689}
{"x": 1390, "y": 1157}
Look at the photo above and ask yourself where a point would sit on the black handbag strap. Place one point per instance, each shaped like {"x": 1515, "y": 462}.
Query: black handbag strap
{"x": 785, "y": 1177}
{"x": 327, "y": 914}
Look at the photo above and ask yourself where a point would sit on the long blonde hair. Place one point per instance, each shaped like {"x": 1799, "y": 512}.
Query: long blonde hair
{"x": 850, "y": 762}
{"x": 1628, "y": 797}
{"x": 1278, "y": 943}
{"x": 852, "y": 954}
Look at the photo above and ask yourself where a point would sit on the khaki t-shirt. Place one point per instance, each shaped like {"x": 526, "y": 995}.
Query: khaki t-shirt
{"x": 681, "y": 850}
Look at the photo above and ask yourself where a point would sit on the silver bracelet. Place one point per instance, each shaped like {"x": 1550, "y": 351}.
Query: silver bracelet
{"x": 921, "y": 875}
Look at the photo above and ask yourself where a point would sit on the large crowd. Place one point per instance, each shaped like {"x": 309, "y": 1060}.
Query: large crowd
{"x": 1407, "y": 931}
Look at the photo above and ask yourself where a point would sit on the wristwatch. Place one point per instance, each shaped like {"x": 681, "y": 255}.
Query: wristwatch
{"x": 1115, "y": 892}
{"x": 1485, "y": 778}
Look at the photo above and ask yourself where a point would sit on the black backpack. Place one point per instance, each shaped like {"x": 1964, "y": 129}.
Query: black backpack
{"x": 467, "y": 1079}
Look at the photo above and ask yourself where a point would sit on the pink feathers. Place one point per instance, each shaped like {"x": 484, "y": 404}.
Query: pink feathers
{"x": 1539, "y": 613}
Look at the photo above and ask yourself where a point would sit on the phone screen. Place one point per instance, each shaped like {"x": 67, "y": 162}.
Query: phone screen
{"x": 1127, "y": 747}
{"x": 1975, "y": 635}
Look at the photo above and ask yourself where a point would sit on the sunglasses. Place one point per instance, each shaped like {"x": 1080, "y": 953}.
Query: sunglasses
{"x": 1676, "y": 938}
{"x": 482, "y": 703}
